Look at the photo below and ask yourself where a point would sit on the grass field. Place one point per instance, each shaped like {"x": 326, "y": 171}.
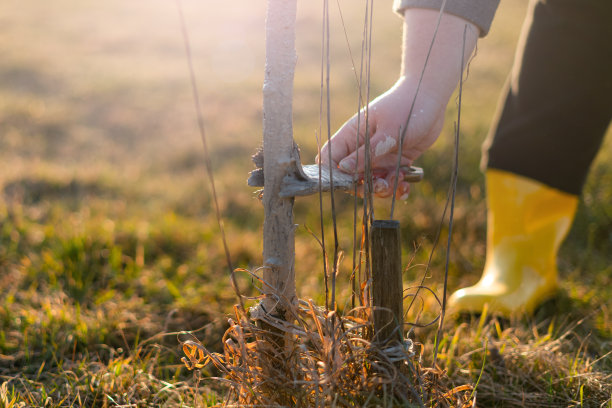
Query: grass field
{"x": 108, "y": 241}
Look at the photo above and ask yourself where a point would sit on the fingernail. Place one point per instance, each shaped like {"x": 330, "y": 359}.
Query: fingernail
{"x": 380, "y": 185}
{"x": 347, "y": 165}
{"x": 405, "y": 190}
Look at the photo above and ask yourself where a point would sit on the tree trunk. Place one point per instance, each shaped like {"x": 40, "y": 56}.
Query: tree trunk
{"x": 278, "y": 234}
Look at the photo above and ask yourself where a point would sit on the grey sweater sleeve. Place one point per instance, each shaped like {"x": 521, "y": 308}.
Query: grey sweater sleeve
{"x": 478, "y": 12}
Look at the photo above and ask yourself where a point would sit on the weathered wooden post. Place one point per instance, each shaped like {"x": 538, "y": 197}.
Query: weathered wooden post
{"x": 278, "y": 153}
{"x": 387, "y": 286}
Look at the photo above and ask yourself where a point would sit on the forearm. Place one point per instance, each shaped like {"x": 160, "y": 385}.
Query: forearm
{"x": 444, "y": 68}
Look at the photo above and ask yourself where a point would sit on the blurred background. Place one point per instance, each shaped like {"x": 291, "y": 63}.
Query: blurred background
{"x": 107, "y": 233}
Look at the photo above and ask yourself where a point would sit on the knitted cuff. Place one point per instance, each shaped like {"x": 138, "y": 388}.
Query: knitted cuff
{"x": 478, "y": 12}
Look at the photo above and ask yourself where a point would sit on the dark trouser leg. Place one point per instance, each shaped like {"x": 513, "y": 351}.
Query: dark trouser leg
{"x": 559, "y": 95}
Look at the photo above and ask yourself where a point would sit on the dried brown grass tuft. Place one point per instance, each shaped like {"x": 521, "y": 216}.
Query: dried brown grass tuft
{"x": 321, "y": 359}
{"x": 526, "y": 368}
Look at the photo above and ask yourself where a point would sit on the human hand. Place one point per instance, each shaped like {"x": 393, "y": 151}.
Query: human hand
{"x": 388, "y": 114}
{"x": 387, "y": 118}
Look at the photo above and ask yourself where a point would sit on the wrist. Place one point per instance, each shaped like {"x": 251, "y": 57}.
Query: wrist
{"x": 432, "y": 96}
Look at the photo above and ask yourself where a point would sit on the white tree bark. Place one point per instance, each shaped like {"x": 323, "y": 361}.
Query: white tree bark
{"x": 278, "y": 234}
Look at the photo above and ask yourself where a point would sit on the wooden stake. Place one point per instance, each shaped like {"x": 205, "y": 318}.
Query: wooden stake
{"x": 387, "y": 286}
{"x": 279, "y": 152}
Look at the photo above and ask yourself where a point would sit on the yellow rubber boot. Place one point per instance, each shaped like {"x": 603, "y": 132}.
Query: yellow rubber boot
{"x": 527, "y": 221}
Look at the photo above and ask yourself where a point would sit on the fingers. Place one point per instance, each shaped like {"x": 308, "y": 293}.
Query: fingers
{"x": 344, "y": 142}
{"x": 403, "y": 190}
{"x": 383, "y": 155}
{"x": 381, "y": 144}
{"x": 403, "y": 187}
{"x": 383, "y": 186}
{"x": 383, "y": 148}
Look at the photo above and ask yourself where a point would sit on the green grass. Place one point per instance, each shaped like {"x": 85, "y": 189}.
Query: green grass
{"x": 108, "y": 241}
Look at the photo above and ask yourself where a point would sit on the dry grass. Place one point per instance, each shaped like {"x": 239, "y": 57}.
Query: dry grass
{"x": 541, "y": 365}
{"x": 322, "y": 359}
